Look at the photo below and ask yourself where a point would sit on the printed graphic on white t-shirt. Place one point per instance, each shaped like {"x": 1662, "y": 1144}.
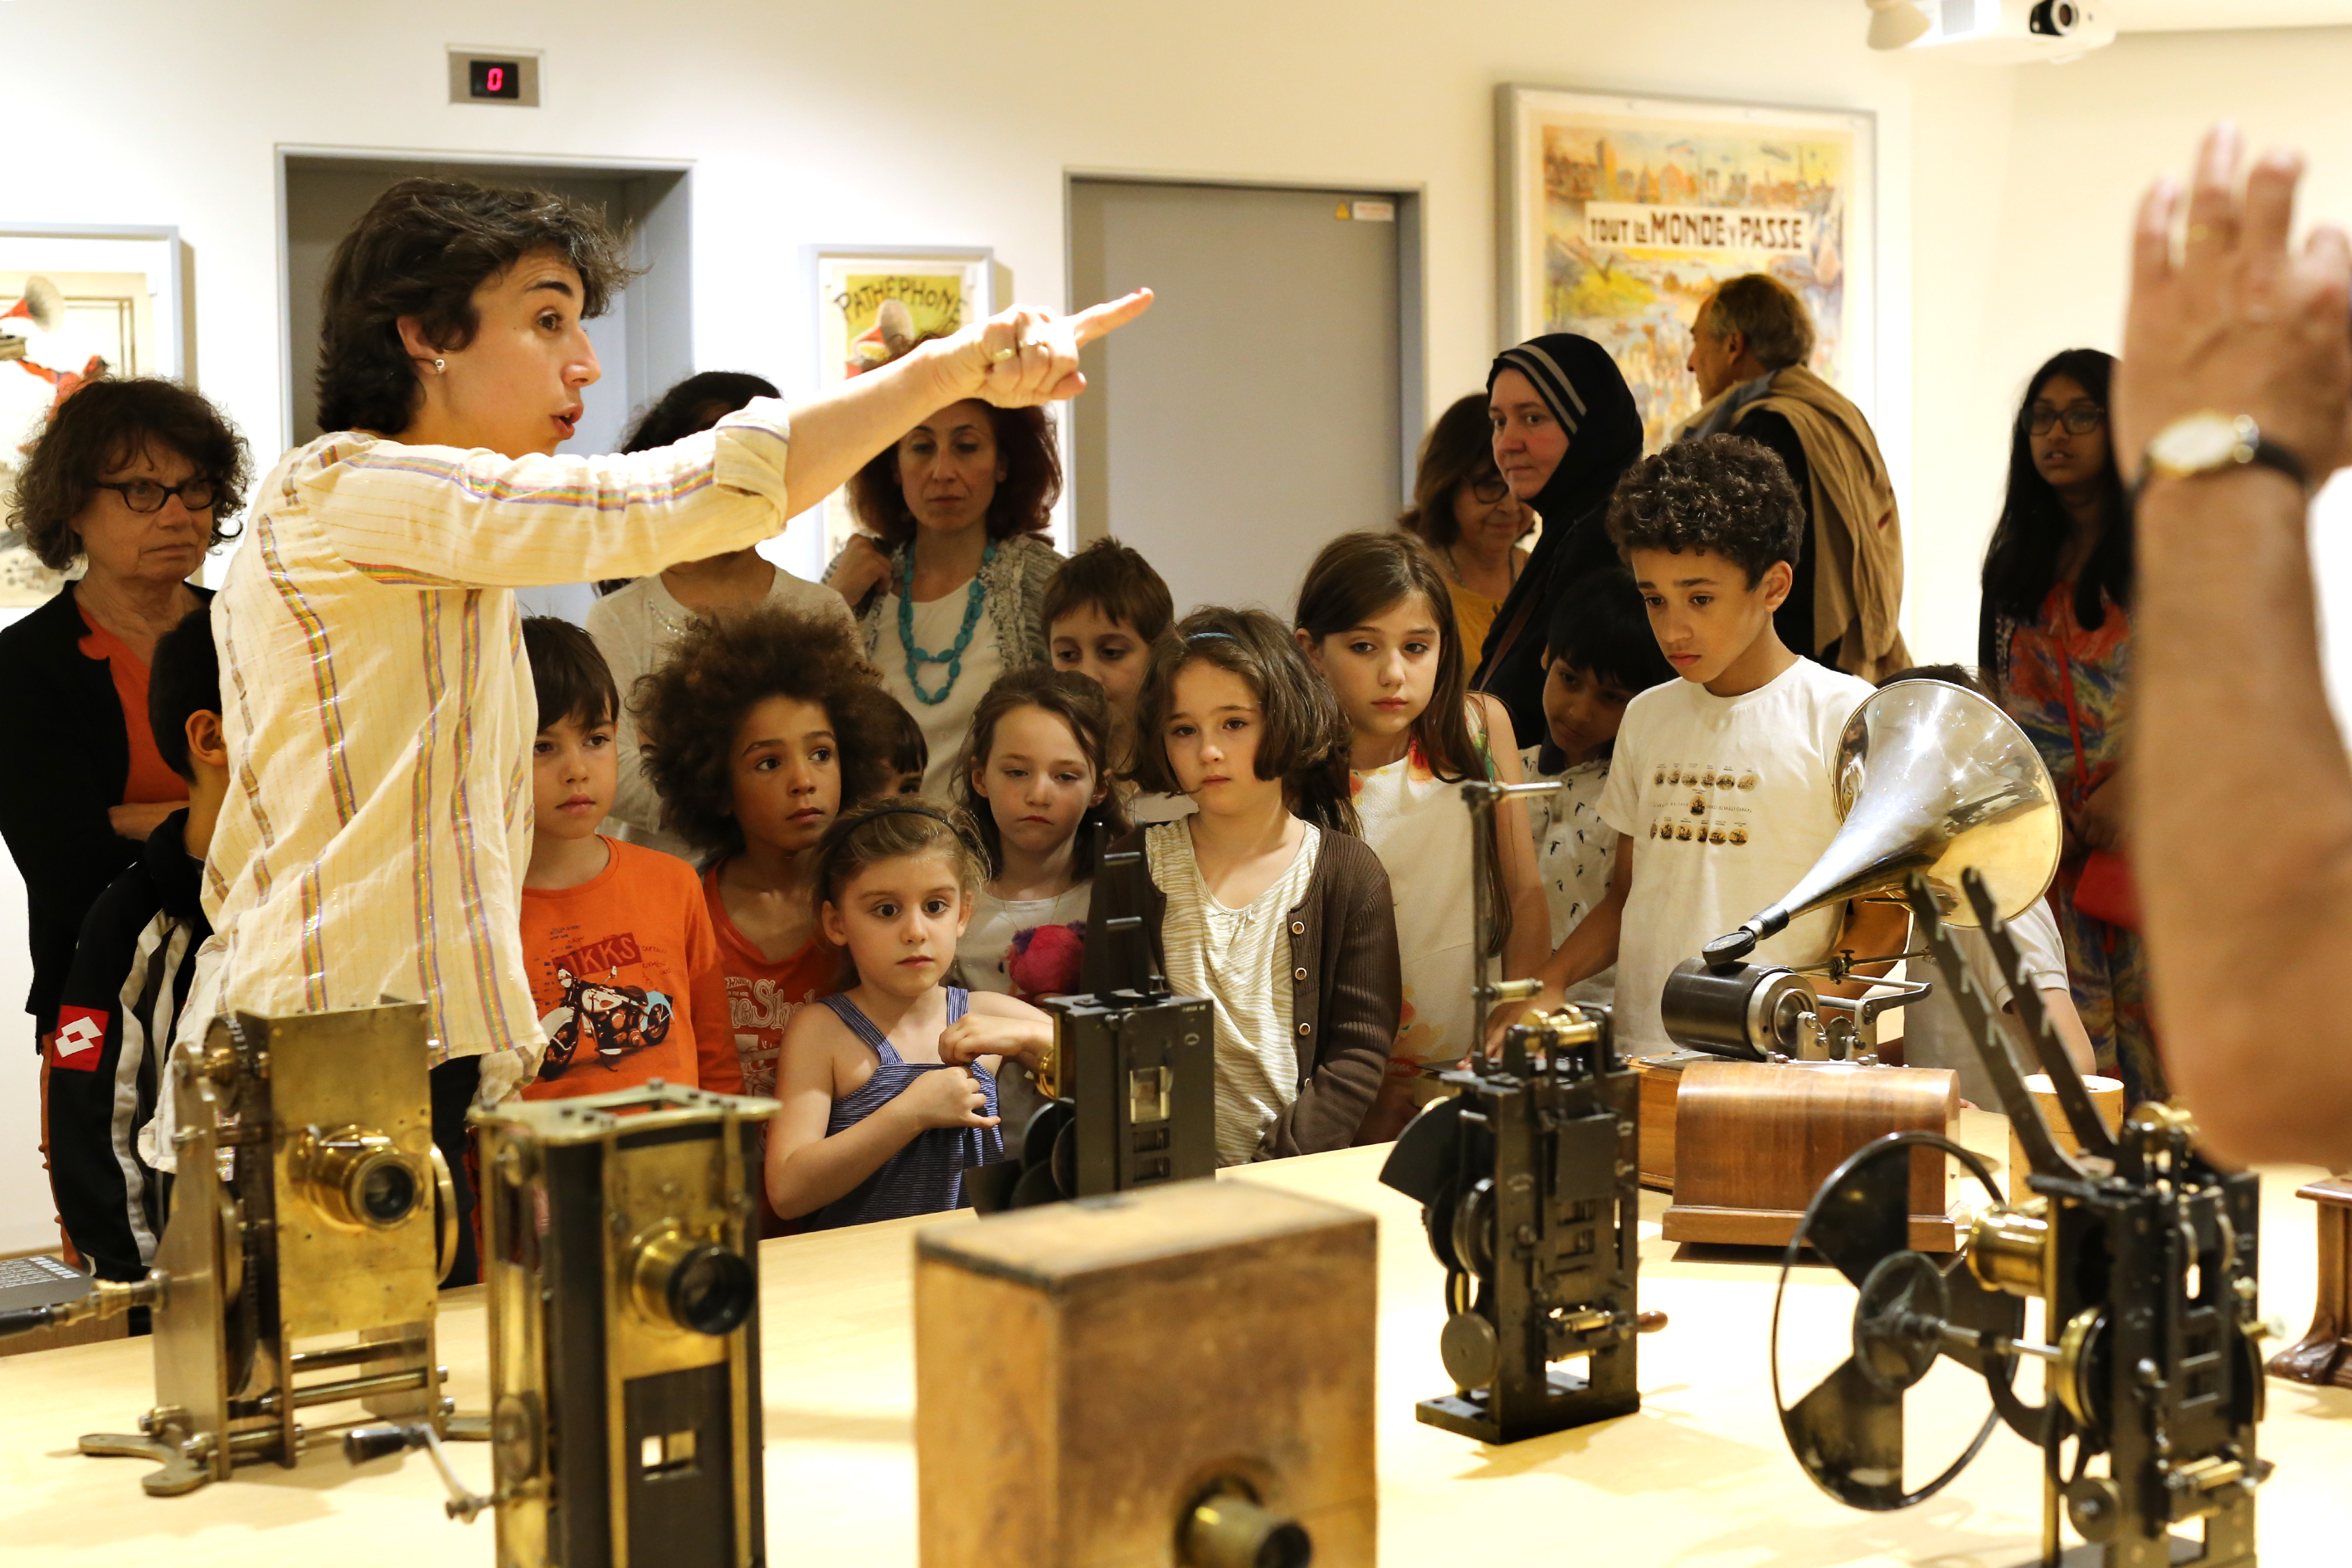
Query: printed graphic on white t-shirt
{"x": 1729, "y": 801}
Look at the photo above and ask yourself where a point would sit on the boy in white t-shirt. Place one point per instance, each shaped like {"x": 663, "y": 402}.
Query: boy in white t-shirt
{"x": 1720, "y": 786}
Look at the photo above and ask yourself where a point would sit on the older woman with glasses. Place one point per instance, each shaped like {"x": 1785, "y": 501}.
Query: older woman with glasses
{"x": 135, "y": 480}
{"x": 1465, "y": 512}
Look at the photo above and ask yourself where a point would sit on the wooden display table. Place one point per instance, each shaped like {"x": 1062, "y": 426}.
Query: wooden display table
{"x": 1701, "y": 1475}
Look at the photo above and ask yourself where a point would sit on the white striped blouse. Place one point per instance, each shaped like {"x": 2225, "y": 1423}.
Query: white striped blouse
{"x": 380, "y": 711}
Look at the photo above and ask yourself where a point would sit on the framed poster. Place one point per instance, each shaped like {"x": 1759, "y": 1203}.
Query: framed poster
{"x": 75, "y": 304}
{"x": 1620, "y": 215}
{"x": 943, "y": 288}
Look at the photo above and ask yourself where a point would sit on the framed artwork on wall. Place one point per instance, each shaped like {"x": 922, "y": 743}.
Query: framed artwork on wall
{"x": 943, "y": 288}
{"x": 1620, "y": 215}
{"x": 75, "y": 304}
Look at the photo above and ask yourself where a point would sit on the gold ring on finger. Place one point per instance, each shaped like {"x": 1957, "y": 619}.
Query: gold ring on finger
{"x": 1001, "y": 355}
{"x": 2199, "y": 233}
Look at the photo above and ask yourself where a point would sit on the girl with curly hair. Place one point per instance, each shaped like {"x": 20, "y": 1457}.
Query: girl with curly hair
{"x": 754, "y": 737}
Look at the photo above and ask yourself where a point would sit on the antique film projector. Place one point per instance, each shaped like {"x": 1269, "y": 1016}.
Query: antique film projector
{"x": 1528, "y": 1187}
{"x": 299, "y": 1266}
{"x": 2142, "y": 1255}
{"x": 620, "y": 1242}
{"x": 1129, "y": 1087}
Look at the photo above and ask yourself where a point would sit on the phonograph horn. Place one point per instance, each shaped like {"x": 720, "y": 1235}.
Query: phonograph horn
{"x": 1935, "y": 779}
{"x": 43, "y": 305}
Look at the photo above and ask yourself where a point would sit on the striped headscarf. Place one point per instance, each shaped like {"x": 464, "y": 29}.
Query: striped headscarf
{"x": 1580, "y": 384}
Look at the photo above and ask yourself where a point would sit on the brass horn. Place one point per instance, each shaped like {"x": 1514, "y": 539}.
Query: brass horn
{"x": 1930, "y": 778}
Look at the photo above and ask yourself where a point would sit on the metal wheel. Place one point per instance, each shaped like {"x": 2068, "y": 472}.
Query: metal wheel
{"x": 1847, "y": 1433}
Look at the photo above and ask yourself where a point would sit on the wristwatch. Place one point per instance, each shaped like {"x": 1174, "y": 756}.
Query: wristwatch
{"x": 2212, "y": 443}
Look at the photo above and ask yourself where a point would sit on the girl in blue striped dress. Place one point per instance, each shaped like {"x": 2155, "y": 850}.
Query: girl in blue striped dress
{"x": 888, "y": 1088}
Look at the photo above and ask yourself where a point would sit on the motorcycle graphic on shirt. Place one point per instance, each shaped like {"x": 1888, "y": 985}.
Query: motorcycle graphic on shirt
{"x": 616, "y": 1019}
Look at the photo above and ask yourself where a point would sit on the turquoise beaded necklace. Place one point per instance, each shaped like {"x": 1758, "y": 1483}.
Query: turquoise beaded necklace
{"x": 974, "y": 597}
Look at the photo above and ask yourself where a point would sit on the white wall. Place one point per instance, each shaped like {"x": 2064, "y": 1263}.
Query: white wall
{"x": 904, "y": 124}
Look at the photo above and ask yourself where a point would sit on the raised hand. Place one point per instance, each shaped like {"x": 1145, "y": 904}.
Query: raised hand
{"x": 1026, "y": 356}
{"x": 2240, "y": 322}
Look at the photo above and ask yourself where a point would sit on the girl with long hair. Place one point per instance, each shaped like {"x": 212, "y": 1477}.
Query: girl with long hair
{"x": 1373, "y": 621}
{"x": 1264, "y": 900}
{"x": 2054, "y": 638}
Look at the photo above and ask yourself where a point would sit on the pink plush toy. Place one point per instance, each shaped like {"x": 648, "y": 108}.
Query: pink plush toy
{"x": 1044, "y": 959}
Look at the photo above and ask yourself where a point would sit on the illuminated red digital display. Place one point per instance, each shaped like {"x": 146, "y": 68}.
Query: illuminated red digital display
{"x": 495, "y": 78}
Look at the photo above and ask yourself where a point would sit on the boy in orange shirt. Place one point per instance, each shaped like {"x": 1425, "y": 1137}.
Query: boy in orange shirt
{"x": 623, "y": 963}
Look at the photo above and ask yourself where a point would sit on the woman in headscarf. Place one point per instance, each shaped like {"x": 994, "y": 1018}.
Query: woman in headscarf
{"x": 1566, "y": 426}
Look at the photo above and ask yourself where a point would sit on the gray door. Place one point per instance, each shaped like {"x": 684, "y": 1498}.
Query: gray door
{"x": 1263, "y": 405}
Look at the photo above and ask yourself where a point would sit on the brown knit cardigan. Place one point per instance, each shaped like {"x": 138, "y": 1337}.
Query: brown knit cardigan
{"x": 1346, "y": 990}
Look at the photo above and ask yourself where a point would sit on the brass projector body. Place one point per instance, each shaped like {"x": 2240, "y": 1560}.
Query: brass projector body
{"x": 621, "y": 1250}
{"x": 303, "y": 1241}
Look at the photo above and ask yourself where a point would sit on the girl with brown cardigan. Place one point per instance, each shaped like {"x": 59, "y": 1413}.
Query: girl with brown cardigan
{"x": 1263, "y": 901}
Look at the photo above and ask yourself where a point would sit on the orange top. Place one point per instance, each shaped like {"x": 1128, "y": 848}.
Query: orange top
{"x": 150, "y": 781}
{"x": 762, "y": 993}
{"x": 625, "y": 972}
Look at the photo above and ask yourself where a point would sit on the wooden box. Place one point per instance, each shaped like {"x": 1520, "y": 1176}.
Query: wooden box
{"x": 1661, "y": 1080}
{"x": 1087, "y": 1371}
{"x": 1754, "y": 1142}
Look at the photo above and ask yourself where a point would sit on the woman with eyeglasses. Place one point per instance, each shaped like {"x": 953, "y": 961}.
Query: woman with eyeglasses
{"x": 2054, "y": 639}
{"x": 136, "y": 480}
{"x": 1462, "y": 508}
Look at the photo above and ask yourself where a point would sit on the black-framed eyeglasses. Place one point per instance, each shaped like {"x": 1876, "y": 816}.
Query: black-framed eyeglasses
{"x": 145, "y": 495}
{"x": 1489, "y": 491}
{"x": 2080, "y": 420}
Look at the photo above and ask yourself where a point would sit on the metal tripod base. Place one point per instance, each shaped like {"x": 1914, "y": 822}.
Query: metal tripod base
{"x": 1568, "y": 1402}
{"x": 2090, "y": 1554}
{"x": 179, "y": 1474}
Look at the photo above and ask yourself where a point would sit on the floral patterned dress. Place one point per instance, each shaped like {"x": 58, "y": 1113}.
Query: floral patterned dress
{"x": 2065, "y": 686}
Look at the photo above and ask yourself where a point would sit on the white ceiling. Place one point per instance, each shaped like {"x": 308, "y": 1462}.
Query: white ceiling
{"x": 2211, "y": 15}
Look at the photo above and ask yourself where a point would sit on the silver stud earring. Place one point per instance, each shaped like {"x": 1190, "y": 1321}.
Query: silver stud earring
{"x": 439, "y": 366}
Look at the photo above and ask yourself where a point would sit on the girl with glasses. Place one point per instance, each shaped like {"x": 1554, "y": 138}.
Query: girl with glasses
{"x": 2054, "y": 638}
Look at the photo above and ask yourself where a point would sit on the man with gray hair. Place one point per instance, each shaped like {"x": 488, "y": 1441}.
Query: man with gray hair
{"x": 1749, "y": 345}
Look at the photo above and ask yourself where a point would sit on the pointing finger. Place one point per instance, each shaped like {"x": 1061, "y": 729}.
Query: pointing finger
{"x": 1100, "y": 320}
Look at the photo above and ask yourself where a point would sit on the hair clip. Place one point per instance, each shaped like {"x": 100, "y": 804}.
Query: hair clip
{"x": 1196, "y": 637}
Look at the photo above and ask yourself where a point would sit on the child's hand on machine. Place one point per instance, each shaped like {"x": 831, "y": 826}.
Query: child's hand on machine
{"x": 979, "y": 1034}
{"x": 1551, "y": 999}
{"x": 951, "y": 1097}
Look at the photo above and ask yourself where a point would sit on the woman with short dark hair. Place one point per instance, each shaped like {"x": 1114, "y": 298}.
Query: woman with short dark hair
{"x": 950, "y": 596}
{"x": 383, "y": 710}
{"x": 137, "y": 479}
{"x": 1463, "y": 510}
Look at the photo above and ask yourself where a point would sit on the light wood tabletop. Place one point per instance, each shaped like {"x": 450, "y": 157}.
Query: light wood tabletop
{"x": 1700, "y": 1475}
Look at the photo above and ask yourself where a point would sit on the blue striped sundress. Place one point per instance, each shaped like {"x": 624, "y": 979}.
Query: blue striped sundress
{"x": 927, "y": 1175}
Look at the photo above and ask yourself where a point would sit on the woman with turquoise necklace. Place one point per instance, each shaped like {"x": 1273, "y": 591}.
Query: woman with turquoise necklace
{"x": 947, "y": 598}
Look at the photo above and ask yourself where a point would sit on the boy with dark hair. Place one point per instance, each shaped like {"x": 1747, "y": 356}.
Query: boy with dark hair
{"x": 1102, "y": 611}
{"x": 129, "y": 976}
{"x": 1720, "y": 783}
{"x": 1599, "y": 655}
{"x": 624, "y": 964}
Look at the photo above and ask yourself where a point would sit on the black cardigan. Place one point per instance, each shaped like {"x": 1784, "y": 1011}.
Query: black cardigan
{"x": 71, "y": 760}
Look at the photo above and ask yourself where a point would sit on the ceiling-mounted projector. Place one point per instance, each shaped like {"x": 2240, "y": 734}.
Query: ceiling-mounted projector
{"x": 1995, "y": 31}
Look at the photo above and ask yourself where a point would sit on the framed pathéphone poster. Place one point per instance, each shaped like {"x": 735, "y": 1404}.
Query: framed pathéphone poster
{"x": 943, "y": 288}
{"x": 1618, "y": 216}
